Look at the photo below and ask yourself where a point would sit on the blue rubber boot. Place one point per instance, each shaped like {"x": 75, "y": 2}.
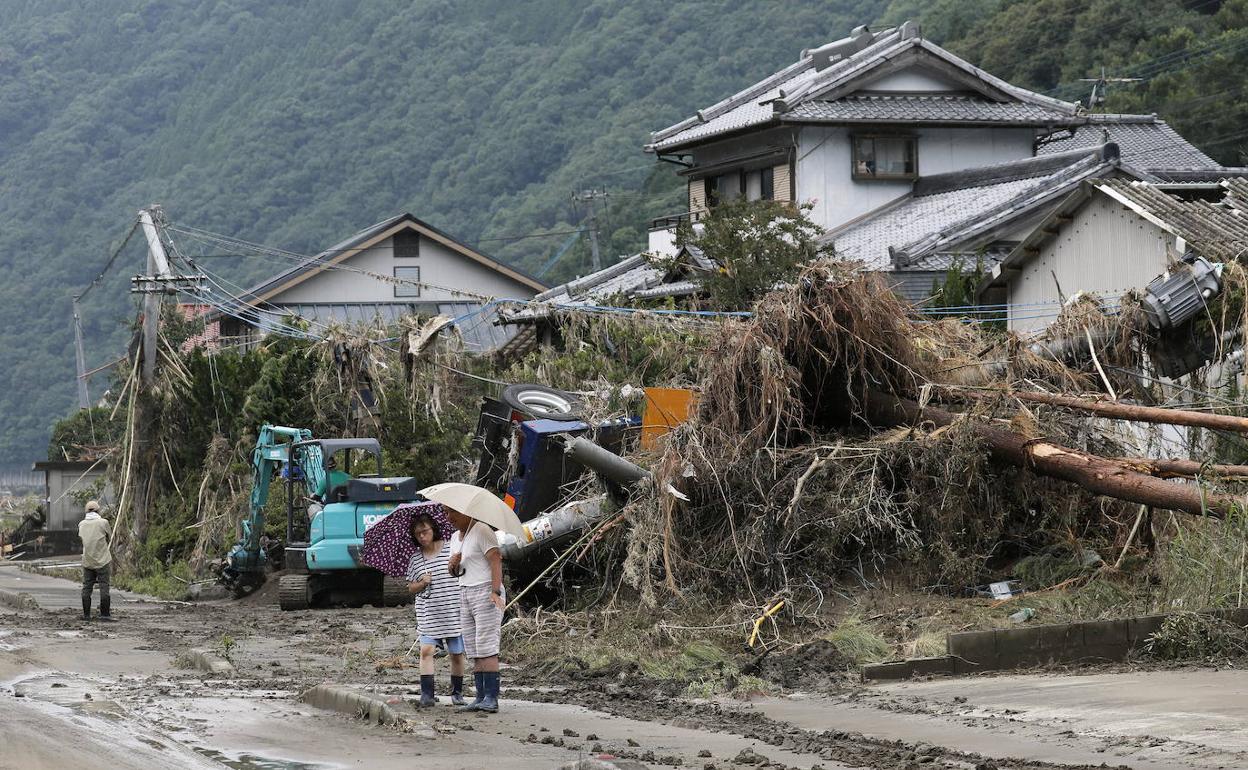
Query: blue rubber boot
{"x": 457, "y": 690}
{"x": 479, "y": 685}
{"x": 490, "y": 703}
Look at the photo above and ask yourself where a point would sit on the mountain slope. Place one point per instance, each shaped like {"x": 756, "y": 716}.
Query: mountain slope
{"x": 295, "y": 124}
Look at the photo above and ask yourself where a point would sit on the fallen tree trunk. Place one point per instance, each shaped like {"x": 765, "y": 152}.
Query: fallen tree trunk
{"x": 1100, "y": 475}
{"x": 1183, "y": 469}
{"x": 1137, "y": 413}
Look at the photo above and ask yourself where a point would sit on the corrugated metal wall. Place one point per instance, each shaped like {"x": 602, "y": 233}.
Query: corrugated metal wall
{"x": 1106, "y": 249}
{"x": 697, "y": 196}
{"x": 782, "y": 182}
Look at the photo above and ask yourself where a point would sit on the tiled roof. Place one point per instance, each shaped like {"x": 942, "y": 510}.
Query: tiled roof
{"x": 1217, "y": 231}
{"x": 1146, "y": 142}
{"x": 822, "y": 75}
{"x": 929, "y": 228}
{"x": 633, "y": 277}
{"x": 928, "y": 108}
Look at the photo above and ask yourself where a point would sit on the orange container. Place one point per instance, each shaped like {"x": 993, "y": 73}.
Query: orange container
{"x": 665, "y": 409}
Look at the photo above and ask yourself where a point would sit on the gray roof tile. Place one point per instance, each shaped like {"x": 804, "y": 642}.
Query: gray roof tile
{"x": 927, "y": 227}
{"x": 1145, "y": 141}
{"x": 1215, "y": 230}
{"x": 780, "y": 96}
{"x": 929, "y": 108}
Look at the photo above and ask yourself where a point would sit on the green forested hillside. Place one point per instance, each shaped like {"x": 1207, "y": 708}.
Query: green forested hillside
{"x": 294, "y": 124}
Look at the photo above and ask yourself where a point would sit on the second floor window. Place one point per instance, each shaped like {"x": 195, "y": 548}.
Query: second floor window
{"x": 407, "y": 289}
{"x": 754, "y": 185}
{"x": 885, "y": 157}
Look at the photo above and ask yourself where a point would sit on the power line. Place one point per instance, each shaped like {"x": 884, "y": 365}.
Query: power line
{"x": 112, "y": 257}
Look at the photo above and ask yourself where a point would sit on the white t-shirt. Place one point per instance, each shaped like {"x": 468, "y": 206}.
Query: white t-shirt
{"x": 479, "y": 541}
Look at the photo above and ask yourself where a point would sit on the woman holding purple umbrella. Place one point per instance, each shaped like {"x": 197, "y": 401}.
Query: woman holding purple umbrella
{"x": 437, "y": 606}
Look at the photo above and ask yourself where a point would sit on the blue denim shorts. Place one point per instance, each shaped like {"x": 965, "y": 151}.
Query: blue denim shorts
{"x": 453, "y": 644}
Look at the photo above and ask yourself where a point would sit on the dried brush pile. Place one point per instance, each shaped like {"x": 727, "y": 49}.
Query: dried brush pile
{"x": 789, "y": 482}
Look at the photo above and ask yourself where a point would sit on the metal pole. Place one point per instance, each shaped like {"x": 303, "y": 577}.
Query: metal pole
{"x": 84, "y": 399}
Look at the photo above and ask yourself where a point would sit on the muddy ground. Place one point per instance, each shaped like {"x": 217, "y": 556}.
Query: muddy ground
{"x": 124, "y": 695}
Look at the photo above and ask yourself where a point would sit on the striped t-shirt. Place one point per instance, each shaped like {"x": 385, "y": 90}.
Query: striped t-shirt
{"x": 437, "y": 608}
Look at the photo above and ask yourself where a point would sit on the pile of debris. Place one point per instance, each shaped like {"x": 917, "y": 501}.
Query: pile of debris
{"x": 836, "y": 429}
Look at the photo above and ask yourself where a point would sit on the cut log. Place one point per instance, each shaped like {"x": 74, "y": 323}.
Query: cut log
{"x": 1183, "y": 469}
{"x": 1137, "y": 413}
{"x": 1100, "y": 475}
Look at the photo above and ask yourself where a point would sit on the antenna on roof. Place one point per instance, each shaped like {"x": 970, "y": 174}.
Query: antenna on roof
{"x": 1097, "y": 97}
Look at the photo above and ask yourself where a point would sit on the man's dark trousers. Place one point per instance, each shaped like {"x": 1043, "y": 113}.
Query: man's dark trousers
{"x": 91, "y": 578}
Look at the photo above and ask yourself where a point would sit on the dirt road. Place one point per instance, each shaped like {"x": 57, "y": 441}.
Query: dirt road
{"x": 124, "y": 695}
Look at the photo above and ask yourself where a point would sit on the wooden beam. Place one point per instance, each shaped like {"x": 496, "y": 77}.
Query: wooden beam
{"x": 1099, "y": 475}
{"x": 1138, "y": 413}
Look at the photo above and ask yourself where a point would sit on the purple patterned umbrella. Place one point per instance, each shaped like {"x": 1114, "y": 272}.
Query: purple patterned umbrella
{"x": 388, "y": 544}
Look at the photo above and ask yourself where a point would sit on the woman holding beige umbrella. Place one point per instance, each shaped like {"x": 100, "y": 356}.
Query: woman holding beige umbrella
{"x": 477, "y": 561}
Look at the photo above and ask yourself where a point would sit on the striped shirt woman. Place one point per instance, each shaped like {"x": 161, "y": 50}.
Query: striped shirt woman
{"x": 437, "y": 607}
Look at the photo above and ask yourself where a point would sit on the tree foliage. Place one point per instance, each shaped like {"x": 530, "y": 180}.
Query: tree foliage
{"x": 295, "y": 124}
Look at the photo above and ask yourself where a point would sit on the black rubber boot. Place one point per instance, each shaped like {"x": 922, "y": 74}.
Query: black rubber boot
{"x": 457, "y": 690}
{"x": 426, "y": 691}
{"x": 86, "y": 608}
{"x": 105, "y": 606}
{"x": 479, "y": 684}
{"x": 490, "y": 703}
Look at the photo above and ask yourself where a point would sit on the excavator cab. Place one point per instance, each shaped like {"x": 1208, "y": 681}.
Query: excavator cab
{"x": 345, "y": 494}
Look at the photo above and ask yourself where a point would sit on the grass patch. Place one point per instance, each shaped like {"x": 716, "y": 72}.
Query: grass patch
{"x": 171, "y": 583}
{"x": 1196, "y": 636}
{"x": 859, "y": 642}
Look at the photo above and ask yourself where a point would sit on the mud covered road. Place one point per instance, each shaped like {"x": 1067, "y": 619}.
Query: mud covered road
{"x": 126, "y": 695}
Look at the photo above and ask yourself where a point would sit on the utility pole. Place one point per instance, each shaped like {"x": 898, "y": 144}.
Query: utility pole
{"x": 589, "y": 197}
{"x": 158, "y": 281}
{"x": 84, "y": 399}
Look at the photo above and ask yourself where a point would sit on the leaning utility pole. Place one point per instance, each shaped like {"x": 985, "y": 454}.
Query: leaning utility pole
{"x": 157, "y": 282}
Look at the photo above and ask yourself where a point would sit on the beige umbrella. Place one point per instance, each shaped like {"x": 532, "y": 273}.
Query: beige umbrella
{"x": 476, "y": 502}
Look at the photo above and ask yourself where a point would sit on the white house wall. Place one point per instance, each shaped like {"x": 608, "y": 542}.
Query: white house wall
{"x": 824, "y": 174}
{"x": 438, "y": 265}
{"x": 1106, "y": 249}
{"x": 910, "y": 81}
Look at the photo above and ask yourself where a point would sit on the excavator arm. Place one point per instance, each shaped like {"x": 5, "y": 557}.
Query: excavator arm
{"x": 246, "y": 561}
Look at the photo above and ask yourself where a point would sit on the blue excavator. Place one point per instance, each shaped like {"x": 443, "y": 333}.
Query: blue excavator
{"x": 340, "y": 481}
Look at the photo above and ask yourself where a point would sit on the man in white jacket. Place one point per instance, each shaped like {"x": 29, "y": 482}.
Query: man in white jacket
{"x": 96, "y": 559}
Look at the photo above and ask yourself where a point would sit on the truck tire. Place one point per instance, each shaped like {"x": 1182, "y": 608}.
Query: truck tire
{"x": 542, "y": 403}
{"x": 394, "y": 592}
{"x": 294, "y": 592}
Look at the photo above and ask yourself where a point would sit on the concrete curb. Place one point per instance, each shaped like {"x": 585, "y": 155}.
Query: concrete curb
{"x": 353, "y": 704}
{"x": 18, "y": 600}
{"x": 1091, "y": 641}
{"x": 210, "y": 662}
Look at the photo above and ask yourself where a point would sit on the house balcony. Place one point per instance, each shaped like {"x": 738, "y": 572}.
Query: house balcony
{"x": 662, "y": 238}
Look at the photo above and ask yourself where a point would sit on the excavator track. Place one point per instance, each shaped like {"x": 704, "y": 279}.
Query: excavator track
{"x": 294, "y": 592}
{"x": 394, "y": 592}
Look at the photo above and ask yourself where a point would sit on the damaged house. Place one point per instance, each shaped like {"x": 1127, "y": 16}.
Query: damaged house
{"x": 914, "y": 160}
{"x": 398, "y": 267}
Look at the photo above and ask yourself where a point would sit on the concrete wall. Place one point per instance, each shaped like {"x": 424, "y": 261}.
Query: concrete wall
{"x": 1106, "y": 249}
{"x": 824, "y": 160}
{"x": 438, "y": 265}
